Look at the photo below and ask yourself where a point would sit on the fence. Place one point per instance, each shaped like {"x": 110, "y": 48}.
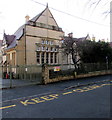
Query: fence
{"x": 42, "y": 74}
{"x": 21, "y": 75}
{"x": 66, "y": 72}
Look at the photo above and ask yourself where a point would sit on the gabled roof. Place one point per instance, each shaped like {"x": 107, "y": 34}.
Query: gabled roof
{"x": 34, "y": 19}
{"x": 19, "y": 32}
{"x": 13, "y": 44}
{"x": 10, "y": 40}
{"x": 37, "y": 17}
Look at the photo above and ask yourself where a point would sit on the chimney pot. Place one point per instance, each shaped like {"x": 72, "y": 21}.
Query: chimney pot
{"x": 27, "y": 18}
{"x": 70, "y": 35}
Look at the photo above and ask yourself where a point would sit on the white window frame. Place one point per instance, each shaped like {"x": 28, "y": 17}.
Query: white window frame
{"x": 47, "y": 48}
{"x": 47, "y": 42}
{"x": 38, "y": 48}
{"x": 51, "y": 42}
{"x": 52, "y": 49}
{"x": 43, "y": 48}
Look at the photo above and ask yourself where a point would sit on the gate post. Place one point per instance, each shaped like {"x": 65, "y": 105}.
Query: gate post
{"x": 1, "y": 71}
{"x": 45, "y": 74}
{"x": 10, "y": 75}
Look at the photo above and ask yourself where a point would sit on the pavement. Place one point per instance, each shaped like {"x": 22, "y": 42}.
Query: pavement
{"x": 32, "y": 90}
{"x": 12, "y": 83}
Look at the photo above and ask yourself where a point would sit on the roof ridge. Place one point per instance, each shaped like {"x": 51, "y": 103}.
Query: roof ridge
{"x": 34, "y": 19}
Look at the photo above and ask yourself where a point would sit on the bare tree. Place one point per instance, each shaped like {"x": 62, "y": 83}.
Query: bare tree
{"x": 70, "y": 48}
{"x": 95, "y": 3}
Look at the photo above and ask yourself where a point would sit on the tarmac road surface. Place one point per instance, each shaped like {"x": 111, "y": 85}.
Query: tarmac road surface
{"x": 92, "y": 101}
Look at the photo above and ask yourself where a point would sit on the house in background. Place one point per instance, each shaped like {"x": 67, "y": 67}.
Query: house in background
{"x": 67, "y": 58}
{"x": 38, "y": 41}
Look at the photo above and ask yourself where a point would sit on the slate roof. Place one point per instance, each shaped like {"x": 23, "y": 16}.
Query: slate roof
{"x": 76, "y": 40}
{"x": 11, "y": 40}
{"x": 34, "y": 19}
{"x": 0, "y": 43}
{"x": 19, "y": 32}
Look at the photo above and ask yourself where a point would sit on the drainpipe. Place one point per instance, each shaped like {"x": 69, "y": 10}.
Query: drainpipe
{"x": 25, "y": 43}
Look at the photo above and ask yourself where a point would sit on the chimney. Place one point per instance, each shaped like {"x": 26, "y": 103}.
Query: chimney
{"x": 70, "y": 35}
{"x": 93, "y": 38}
{"x": 27, "y": 18}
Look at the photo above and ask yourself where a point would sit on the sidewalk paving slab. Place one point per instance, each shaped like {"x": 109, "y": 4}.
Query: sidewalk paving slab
{"x": 7, "y": 83}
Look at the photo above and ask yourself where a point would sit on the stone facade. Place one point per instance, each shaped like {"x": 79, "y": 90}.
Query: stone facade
{"x": 38, "y": 41}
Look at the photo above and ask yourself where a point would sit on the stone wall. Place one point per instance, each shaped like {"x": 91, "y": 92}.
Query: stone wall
{"x": 46, "y": 77}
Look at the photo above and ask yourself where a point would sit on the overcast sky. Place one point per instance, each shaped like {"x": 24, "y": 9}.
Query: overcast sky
{"x": 82, "y": 18}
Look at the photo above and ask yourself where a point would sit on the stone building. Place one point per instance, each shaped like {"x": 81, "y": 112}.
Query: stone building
{"x": 73, "y": 42}
{"x": 38, "y": 41}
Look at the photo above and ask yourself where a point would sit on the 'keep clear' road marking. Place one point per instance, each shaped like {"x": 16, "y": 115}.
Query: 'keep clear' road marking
{"x": 1, "y": 108}
{"x": 84, "y": 89}
{"x": 54, "y": 96}
{"x": 67, "y": 93}
{"x": 39, "y": 100}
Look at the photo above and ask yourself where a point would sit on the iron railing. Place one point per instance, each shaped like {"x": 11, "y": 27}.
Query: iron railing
{"x": 12, "y": 76}
{"x": 20, "y": 75}
{"x": 69, "y": 70}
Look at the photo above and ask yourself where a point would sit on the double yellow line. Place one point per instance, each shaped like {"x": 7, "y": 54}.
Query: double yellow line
{"x": 56, "y": 95}
{"x": 1, "y": 108}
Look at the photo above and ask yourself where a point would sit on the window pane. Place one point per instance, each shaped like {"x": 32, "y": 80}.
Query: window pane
{"x": 38, "y": 57}
{"x": 43, "y": 48}
{"x": 47, "y": 57}
{"x": 51, "y": 42}
{"x": 47, "y": 42}
{"x": 55, "y": 58}
{"x": 51, "y": 57}
{"x": 42, "y": 56}
{"x": 52, "y": 49}
{"x": 47, "y": 49}
{"x": 42, "y": 41}
{"x": 37, "y": 48}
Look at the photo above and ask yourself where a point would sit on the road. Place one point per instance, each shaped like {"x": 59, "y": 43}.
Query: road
{"x": 8, "y": 94}
{"x": 92, "y": 101}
